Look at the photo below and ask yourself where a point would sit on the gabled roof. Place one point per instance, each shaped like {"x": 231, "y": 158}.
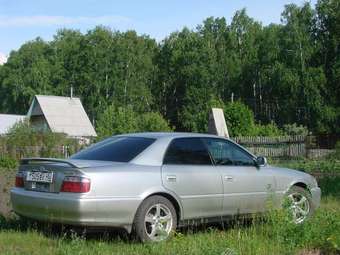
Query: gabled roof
{"x": 63, "y": 115}
{"x": 8, "y": 120}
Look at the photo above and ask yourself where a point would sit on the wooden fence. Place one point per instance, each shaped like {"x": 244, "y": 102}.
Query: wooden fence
{"x": 284, "y": 147}
{"x": 275, "y": 147}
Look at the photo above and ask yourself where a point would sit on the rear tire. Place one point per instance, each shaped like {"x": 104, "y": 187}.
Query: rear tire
{"x": 155, "y": 220}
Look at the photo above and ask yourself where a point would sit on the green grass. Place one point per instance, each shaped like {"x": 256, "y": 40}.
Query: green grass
{"x": 275, "y": 235}
{"x": 328, "y": 166}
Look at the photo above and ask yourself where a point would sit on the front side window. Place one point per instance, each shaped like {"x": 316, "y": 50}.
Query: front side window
{"x": 226, "y": 153}
{"x": 187, "y": 151}
{"x": 119, "y": 149}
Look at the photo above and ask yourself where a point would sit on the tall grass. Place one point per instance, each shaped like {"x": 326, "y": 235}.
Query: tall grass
{"x": 275, "y": 234}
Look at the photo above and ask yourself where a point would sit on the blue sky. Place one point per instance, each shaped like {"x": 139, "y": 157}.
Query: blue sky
{"x": 23, "y": 20}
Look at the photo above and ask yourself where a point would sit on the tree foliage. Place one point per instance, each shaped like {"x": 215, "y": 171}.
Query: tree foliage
{"x": 153, "y": 122}
{"x": 284, "y": 73}
{"x": 116, "y": 120}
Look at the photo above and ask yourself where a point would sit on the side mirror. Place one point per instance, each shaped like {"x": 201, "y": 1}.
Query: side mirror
{"x": 261, "y": 161}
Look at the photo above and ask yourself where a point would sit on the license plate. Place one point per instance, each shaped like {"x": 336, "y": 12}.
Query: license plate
{"x": 39, "y": 177}
{"x": 39, "y": 186}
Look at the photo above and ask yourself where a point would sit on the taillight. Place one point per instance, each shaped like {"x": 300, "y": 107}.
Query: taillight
{"x": 76, "y": 184}
{"x": 19, "y": 180}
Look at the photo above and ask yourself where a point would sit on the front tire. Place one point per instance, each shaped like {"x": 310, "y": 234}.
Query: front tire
{"x": 300, "y": 204}
{"x": 155, "y": 220}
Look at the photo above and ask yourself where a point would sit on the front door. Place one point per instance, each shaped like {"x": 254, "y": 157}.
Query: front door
{"x": 247, "y": 188}
{"x": 188, "y": 171}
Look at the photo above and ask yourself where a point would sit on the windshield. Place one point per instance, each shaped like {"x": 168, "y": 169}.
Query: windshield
{"x": 119, "y": 149}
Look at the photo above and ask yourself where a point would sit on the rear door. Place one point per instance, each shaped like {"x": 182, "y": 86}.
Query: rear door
{"x": 188, "y": 171}
{"x": 247, "y": 187}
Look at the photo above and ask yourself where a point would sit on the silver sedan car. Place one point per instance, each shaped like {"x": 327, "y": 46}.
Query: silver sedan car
{"x": 151, "y": 183}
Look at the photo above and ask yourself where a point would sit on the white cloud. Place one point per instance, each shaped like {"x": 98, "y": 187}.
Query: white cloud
{"x": 41, "y": 20}
{"x": 3, "y": 58}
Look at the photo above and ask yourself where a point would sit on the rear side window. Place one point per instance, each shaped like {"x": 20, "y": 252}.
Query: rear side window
{"x": 187, "y": 151}
{"x": 119, "y": 149}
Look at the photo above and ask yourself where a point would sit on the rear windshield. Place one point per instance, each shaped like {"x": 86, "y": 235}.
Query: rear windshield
{"x": 119, "y": 149}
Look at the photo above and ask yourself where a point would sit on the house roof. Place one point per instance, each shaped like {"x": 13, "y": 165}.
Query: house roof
{"x": 63, "y": 115}
{"x": 8, "y": 120}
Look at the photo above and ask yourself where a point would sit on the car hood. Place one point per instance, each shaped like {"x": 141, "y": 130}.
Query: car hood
{"x": 287, "y": 171}
{"x": 293, "y": 174}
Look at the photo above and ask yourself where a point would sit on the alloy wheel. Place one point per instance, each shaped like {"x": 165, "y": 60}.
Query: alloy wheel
{"x": 299, "y": 207}
{"x": 158, "y": 222}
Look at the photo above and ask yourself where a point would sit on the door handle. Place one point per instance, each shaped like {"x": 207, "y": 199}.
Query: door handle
{"x": 228, "y": 178}
{"x": 171, "y": 178}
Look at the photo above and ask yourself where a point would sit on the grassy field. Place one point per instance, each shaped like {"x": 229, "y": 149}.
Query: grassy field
{"x": 275, "y": 235}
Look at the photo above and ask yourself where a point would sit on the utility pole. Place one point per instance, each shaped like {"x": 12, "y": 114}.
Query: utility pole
{"x": 71, "y": 92}
{"x": 125, "y": 87}
{"x": 254, "y": 91}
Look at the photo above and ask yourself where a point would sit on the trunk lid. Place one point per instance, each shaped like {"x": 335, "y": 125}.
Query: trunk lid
{"x": 47, "y": 174}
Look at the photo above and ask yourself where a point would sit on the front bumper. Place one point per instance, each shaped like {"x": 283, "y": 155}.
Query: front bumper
{"x": 316, "y": 196}
{"x": 75, "y": 209}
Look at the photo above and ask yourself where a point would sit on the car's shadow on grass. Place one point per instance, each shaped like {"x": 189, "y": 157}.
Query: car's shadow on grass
{"x": 65, "y": 232}
{"x": 69, "y": 233}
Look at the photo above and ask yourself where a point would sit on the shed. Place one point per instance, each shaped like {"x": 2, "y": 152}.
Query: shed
{"x": 60, "y": 115}
{"x": 8, "y": 120}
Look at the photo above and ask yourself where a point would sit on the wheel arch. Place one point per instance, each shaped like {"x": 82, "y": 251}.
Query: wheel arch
{"x": 300, "y": 184}
{"x": 171, "y": 196}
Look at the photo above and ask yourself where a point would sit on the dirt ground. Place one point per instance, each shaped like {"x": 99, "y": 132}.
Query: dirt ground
{"x": 7, "y": 178}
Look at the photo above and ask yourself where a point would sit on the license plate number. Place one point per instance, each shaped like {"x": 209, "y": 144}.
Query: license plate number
{"x": 39, "y": 177}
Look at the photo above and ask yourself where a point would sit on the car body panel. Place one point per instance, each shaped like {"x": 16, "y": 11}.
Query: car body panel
{"x": 198, "y": 187}
{"x": 246, "y": 188}
{"x": 118, "y": 189}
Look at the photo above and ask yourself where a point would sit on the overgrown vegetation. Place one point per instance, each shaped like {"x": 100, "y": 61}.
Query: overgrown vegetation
{"x": 241, "y": 121}
{"x": 336, "y": 154}
{"x": 24, "y": 141}
{"x": 8, "y": 162}
{"x": 327, "y": 166}
{"x": 286, "y": 73}
{"x": 274, "y": 235}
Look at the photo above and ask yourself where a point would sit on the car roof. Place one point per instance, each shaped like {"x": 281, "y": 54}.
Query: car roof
{"x": 157, "y": 135}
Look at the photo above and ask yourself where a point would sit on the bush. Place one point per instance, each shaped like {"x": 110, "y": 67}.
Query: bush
{"x": 336, "y": 154}
{"x": 24, "y": 141}
{"x": 240, "y": 122}
{"x": 270, "y": 129}
{"x": 8, "y": 162}
{"x": 240, "y": 119}
{"x": 294, "y": 129}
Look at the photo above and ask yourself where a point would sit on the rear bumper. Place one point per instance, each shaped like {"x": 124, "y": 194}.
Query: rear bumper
{"x": 75, "y": 209}
{"x": 316, "y": 196}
